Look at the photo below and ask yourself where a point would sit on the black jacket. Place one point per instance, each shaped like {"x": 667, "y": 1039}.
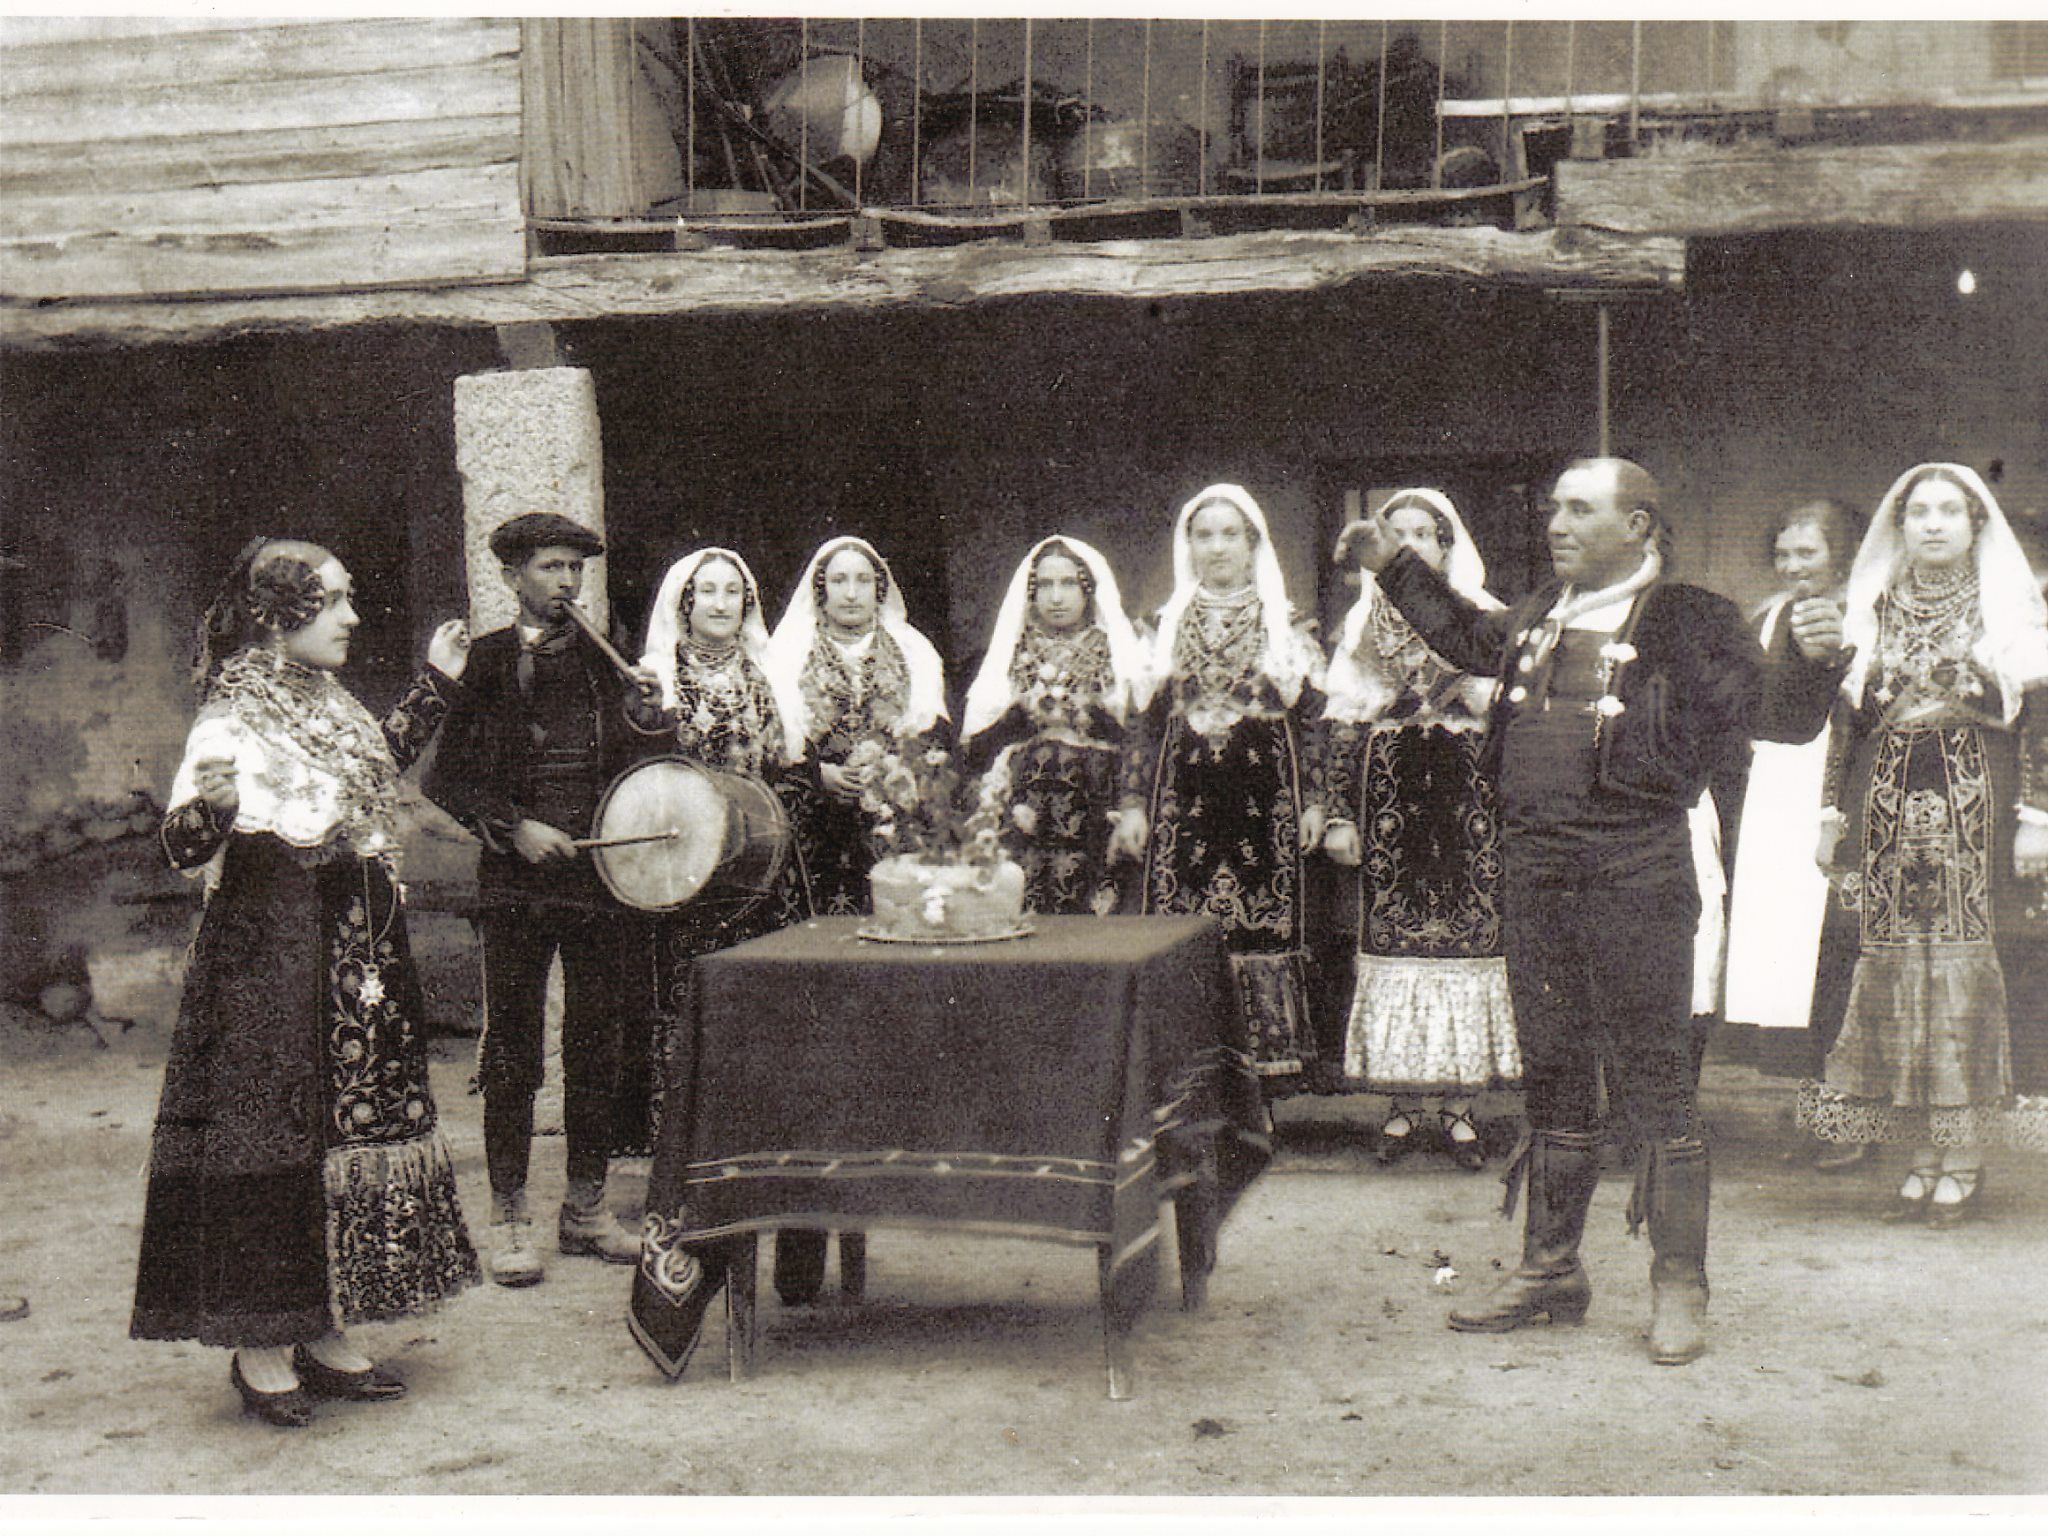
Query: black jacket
{"x": 478, "y": 769}
{"x": 1698, "y": 690}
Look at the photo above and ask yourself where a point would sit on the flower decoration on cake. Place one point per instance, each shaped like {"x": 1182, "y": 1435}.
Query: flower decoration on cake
{"x": 922, "y": 804}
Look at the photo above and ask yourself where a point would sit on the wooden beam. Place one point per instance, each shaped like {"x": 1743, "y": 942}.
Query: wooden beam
{"x": 571, "y": 288}
{"x": 413, "y": 228}
{"x": 137, "y": 66}
{"x": 140, "y": 159}
{"x": 1995, "y": 96}
{"x": 323, "y": 152}
{"x": 1748, "y": 191}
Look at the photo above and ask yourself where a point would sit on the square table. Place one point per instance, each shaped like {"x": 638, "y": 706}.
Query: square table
{"x": 1057, "y": 1086}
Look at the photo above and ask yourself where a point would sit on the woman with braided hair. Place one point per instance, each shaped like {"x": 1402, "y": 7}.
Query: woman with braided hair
{"x": 848, "y": 672}
{"x": 298, "y": 1181}
{"x": 1414, "y": 812}
{"x": 1936, "y": 826}
{"x": 1058, "y": 689}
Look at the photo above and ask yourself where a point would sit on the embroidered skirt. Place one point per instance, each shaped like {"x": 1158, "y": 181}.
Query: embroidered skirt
{"x": 298, "y": 1180}
{"x": 1071, "y": 793}
{"x": 1925, "y": 1052}
{"x": 1226, "y": 841}
{"x": 1430, "y": 1010}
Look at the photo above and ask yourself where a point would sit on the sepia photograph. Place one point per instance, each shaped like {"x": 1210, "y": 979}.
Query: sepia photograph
{"x": 1015, "y": 768}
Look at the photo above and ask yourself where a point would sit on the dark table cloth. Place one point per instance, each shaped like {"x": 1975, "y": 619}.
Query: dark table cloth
{"x": 1056, "y": 1086}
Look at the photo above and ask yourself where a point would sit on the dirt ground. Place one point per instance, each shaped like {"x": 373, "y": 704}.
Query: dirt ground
{"x": 1847, "y": 1356}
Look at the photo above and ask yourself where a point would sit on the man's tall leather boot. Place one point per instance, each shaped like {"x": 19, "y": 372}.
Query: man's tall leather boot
{"x": 1561, "y": 1170}
{"x": 1677, "y": 1199}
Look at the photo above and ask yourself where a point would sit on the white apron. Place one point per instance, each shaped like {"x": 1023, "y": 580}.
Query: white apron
{"x": 1780, "y": 894}
{"x": 1707, "y": 947}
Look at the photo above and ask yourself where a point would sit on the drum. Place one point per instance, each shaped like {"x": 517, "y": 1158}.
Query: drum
{"x": 673, "y": 833}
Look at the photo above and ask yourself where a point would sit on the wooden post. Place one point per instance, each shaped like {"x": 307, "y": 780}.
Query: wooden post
{"x": 1606, "y": 438}
{"x": 741, "y": 1319}
{"x": 1116, "y": 1332}
{"x": 1024, "y": 125}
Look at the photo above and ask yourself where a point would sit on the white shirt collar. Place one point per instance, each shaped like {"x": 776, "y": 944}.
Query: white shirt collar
{"x": 1604, "y": 620}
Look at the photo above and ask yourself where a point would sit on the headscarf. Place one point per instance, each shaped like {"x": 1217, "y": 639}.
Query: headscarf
{"x": 1285, "y": 659}
{"x": 1359, "y": 693}
{"x": 2014, "y": 647}
{"x": 991, "y": 694}
{"x": 790, "y": 647}
{"x": 665, "y": 633}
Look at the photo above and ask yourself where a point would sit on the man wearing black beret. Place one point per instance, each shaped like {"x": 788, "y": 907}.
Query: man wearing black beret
{"x": 537, "y": 733}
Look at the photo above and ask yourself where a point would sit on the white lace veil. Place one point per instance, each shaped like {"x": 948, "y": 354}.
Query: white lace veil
{"x": 665, "y": 633}
{"x": 2014, "y": 648}
{"x": 790, "y": 647}
{"x": 1358, "y": 693}
{"x": 1286, "y": 659}
{"x": 990, "y": 695}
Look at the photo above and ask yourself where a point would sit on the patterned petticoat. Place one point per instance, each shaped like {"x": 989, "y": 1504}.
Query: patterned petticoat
{"x": 2021, "y": 1124}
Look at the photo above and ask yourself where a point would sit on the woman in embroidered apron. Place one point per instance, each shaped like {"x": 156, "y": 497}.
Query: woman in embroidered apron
{"x": 1049, "y": 713}
{"x": 1413, "y": 810}
{"x": 1791, "y": 945}
{"x": 1232, "y": 801}
{"x": 298, "y": 1181}
{"x": 853, "y": 676}
{"x": 1937, "y": 800}
{"x": 707, "y": 645}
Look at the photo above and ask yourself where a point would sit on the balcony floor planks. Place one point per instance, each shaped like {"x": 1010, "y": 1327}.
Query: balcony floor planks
{"x": 567, "y": 289}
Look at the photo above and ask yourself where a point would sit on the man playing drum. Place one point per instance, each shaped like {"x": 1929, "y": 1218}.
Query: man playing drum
{"x": 536, "y": 734}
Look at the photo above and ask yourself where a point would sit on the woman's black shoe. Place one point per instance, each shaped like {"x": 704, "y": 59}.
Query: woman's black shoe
{"x": 287, "y": 1410}
{"x": 1469, "y": 1154}
{"x": 376, "y": 1385}
{"x": 1968, "y": 1184}
{"x": 1393, "y": 1146}
{"x": 1914, "y": 1196}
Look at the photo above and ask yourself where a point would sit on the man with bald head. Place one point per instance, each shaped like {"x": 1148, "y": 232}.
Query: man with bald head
{"x": 1621, "y": 695}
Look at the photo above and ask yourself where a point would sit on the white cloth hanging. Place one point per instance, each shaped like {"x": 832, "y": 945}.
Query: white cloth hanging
{"x": 1708, "y": 947}
{"x": 1780, "y": 895}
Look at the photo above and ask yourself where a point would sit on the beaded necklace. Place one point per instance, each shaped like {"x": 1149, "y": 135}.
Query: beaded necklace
{"x": 1927, "y": 631}
{"x": 1056, "y": 676}
{"x": 720, "y": 704}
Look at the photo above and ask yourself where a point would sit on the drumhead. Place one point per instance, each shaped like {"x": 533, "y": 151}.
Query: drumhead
{"x": 663, "y": 795}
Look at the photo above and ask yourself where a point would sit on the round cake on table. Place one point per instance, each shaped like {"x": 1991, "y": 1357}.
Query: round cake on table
{"x": 915, "y": 899}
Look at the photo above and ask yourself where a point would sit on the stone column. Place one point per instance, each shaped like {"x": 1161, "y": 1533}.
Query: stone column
{"x": 527, "y": 440}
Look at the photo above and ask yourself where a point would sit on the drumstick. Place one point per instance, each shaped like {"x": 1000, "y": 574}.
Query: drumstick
{"x": 588, "y": 625}
{"x": 625, "y": 842}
